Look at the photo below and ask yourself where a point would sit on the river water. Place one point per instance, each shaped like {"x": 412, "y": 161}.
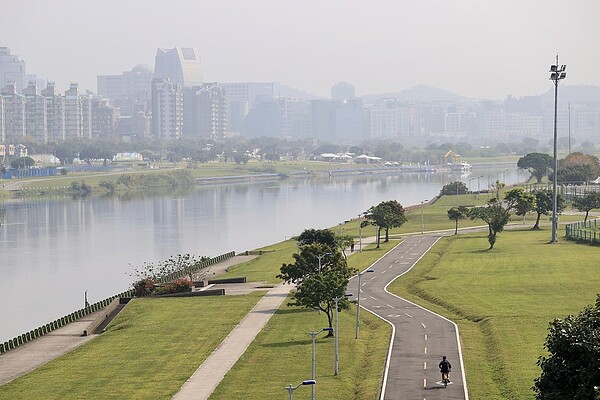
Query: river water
{"x": 53, "y": 250}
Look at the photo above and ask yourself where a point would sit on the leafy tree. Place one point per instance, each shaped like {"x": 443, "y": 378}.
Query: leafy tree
{"x": 344, "y": 242}
{"x": 316, "y": 289}
{"x": 386, "y": 215}
{"x": 543, "y": 204}
{"x": 456, "y": 214}
{"x": 537, "y": 164}
{"x": 323, "y": 236}
{"x": 22, "y": 162}
{"x": 587, "y": 202}
{"x": 497, "y": 212}
{"x": 454, "y": 188}
{"x": 572, "y": 368}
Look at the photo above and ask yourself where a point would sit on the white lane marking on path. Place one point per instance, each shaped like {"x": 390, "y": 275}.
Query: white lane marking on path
{"x": 393, "y": 315}
{"x": 373, "y": 278}
{"x": 425, "y": 365}
{"x": 424, "y": 327}
{"x": 408, "y": 315}
{"x": 425, "y": 337}
{"x": 390, "y": 306}
{"x": 390, "y": 267}
{"x": 415, "y": 254}
{"x": 364, "y": 283}
{"x": 376, "y": 306}
{"x": 383, "y": 271}
{"x": 425, "y": 350}
{"x": 373, "y": 298}
{"x": 396, "y": 261}
{"x": 405, "y": 263}
{"x": 425, "y": 383}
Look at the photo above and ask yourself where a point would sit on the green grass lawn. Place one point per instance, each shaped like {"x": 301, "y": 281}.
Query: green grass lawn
{"x": 503, "y": 300}
{"x": 148, "y": 352}
{"x": 281, "y": 355}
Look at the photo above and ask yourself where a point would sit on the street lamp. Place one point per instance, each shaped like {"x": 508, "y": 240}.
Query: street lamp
{"x": 320, "y": 257}
{"x": 360, "y": 274}
{"x": 471, "y": 179}
{"x": 291, "y": 388}
{"x": 478, "y": 186}
{"x": 337, "y": 331}
{"x": 313, "y": 335}
{"x": 422, "y": 225}
{"x": 556, "y": 74}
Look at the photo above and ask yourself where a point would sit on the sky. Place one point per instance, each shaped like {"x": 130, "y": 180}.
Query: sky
{"x": 474, "y": 48}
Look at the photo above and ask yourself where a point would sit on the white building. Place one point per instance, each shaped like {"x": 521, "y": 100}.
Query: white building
{"x": 181, "y": 65}
{"x": 78, "y": 114}
{"x": 36, "y": 121}
{"x": 211, "y": 111}
{"x": 55, "y": 113}
{"x": 12, "y": 70}
{"x": 167, "y": 109}
{"x": 14, "y": 113}
{"x": 2, "y": 128}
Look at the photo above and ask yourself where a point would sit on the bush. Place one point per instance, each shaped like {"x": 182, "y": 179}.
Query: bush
{"x": 143, "y": 287}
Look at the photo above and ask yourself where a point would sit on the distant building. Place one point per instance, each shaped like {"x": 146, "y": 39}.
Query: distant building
{"x": 104, "y": 118}
{"x": 241, "y": 97}
{"x": 264, "y": 119}
{"x": 78, "y": 114}
{"x": 337, "y": 120}
{"x": 36, "y": 114}
{"x": 167, "y": 109}
{"x": 295, "y": 114}
{"x": 130, "y": 91}
{"x": 14, "y": 113}
{"x": 55, "y": 113}
{"x": 2, "y": 126}
{"x": 211, "y": 111}
{"x": 181, "y": 65}
{"x": 12, "y": 69}
{"x": 342, "y": 91}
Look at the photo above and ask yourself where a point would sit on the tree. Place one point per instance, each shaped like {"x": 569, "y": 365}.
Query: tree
{"x": 323, "y": 236}
{"x": 572, "y": 368}
{"x": 344, "y": 242}
{"x": 316, "y": 288}
{"x": 22, "y": 162}
{"x": 497, "y": 212}
{"x": 454, "y": 188}
{"x": 456, "y": 214}
{"x": 578, "y": 167}
{"x": 587, "y": 202}
{"x": 386, "y": 215}
{"x": 543, "y": 204}
{"x": 537, "y": 164}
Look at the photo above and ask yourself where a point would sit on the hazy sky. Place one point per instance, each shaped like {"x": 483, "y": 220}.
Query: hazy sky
{"x": 475, "y": 48}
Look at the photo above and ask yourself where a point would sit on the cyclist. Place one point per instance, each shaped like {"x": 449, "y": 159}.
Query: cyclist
{"x": 445, "y": 368}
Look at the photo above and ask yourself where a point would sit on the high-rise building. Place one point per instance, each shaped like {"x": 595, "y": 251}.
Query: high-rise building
{"x": 55, "y": 113}
{"x": 211, "y": 111}
{"x": 2, "y": 115}
{"x": 14, "y": 113}
{"x": 342, "y": 91}
{"x": 241, "y": 97}
{"x": 12, "y": 70}
{"x": 167, "y": 109}
{"x": 130, "y": 90}
{"x": 36, "y": 121}
{"x": 181, "y": 65}
{"x": 104, "y": 117}
{"x": 78, "y": 113}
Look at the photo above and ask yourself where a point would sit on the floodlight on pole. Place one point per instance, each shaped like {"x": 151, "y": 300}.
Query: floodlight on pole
{"x": 291, "y": 388}
{"x": 337, "y": 332}
{"x": 313, "y": 335}
{"x": 556, "y": 74}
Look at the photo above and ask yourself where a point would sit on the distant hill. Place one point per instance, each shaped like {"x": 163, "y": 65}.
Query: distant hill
{"x": 281, "y": 90}
{"x": 420, "y": 93}
{"x": 573, "y": 94}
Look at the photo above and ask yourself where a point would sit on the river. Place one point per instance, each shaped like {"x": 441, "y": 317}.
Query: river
{"x": 52, "y": 250}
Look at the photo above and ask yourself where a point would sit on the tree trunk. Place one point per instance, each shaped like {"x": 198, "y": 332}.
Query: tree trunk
{"x": 329, "y": 317}
{"x": 456, "y": 228}
{"x": 378, "y": 235}
{"x": 492, "y": 240}
{"x": 387, "y": 234}
{"x": 586, "y": 216}
{"x": 537, "y": 222}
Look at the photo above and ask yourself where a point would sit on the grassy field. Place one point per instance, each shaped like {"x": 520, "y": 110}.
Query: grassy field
{"x": 148, "y": 352}
{"x": 503, "y": 300}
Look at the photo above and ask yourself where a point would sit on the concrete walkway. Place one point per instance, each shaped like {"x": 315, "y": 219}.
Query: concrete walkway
{"x": 206, "y": 378}
{"x": 31, "y": 355}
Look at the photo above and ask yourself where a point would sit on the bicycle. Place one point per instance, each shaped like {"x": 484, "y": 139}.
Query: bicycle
{"x": 446, "y": 378}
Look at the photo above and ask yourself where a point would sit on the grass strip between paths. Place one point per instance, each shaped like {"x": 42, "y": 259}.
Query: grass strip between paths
{"x": 148, "y": 351}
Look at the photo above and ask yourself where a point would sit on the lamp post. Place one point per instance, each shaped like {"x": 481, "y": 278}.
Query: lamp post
{"x": 291, "y": 388}
{"x": 422, "y": 224}
{"x": 337, "y": 332}
{"x": 478, "y": 185}
{"x": 359, "y": 235}
{"x": 320, "y": 257}
{"x": 313, "y": 335}
{"x": 557, "y": 72}
{"x": 360, "y": 274}
{"x": 470, "y": 179}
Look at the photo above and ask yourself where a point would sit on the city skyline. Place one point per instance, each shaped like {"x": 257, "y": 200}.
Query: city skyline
{"x": 472, "y": 48}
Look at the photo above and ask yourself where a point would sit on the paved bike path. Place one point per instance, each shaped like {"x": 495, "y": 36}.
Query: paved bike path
{"x": 420, "y": 337}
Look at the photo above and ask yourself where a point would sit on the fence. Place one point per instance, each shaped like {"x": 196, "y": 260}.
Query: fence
{"x": 588, "y": 231}
{"x": 60, "y": 322}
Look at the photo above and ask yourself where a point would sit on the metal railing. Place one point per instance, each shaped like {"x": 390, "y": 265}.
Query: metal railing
{"x": 587, "y": 231}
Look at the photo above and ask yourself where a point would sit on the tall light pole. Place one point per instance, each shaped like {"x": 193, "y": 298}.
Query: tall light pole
{"x": 360, "y": 274}
{"x": 422, "y": 222}
{"x": 471, "y": 179}
{"x": 478, "y": 185}
{"x": 313, "y": 335}
{"x": 291, "y": 388}
{"x": 337, "y": 332}
{"x": 557, "y": 72}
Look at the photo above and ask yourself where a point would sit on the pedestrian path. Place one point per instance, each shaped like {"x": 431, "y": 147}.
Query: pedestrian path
{"x": 208, "y": 376}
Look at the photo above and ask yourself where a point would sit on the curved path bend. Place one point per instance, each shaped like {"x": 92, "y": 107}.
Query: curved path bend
{"x": 420, "y": 337}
